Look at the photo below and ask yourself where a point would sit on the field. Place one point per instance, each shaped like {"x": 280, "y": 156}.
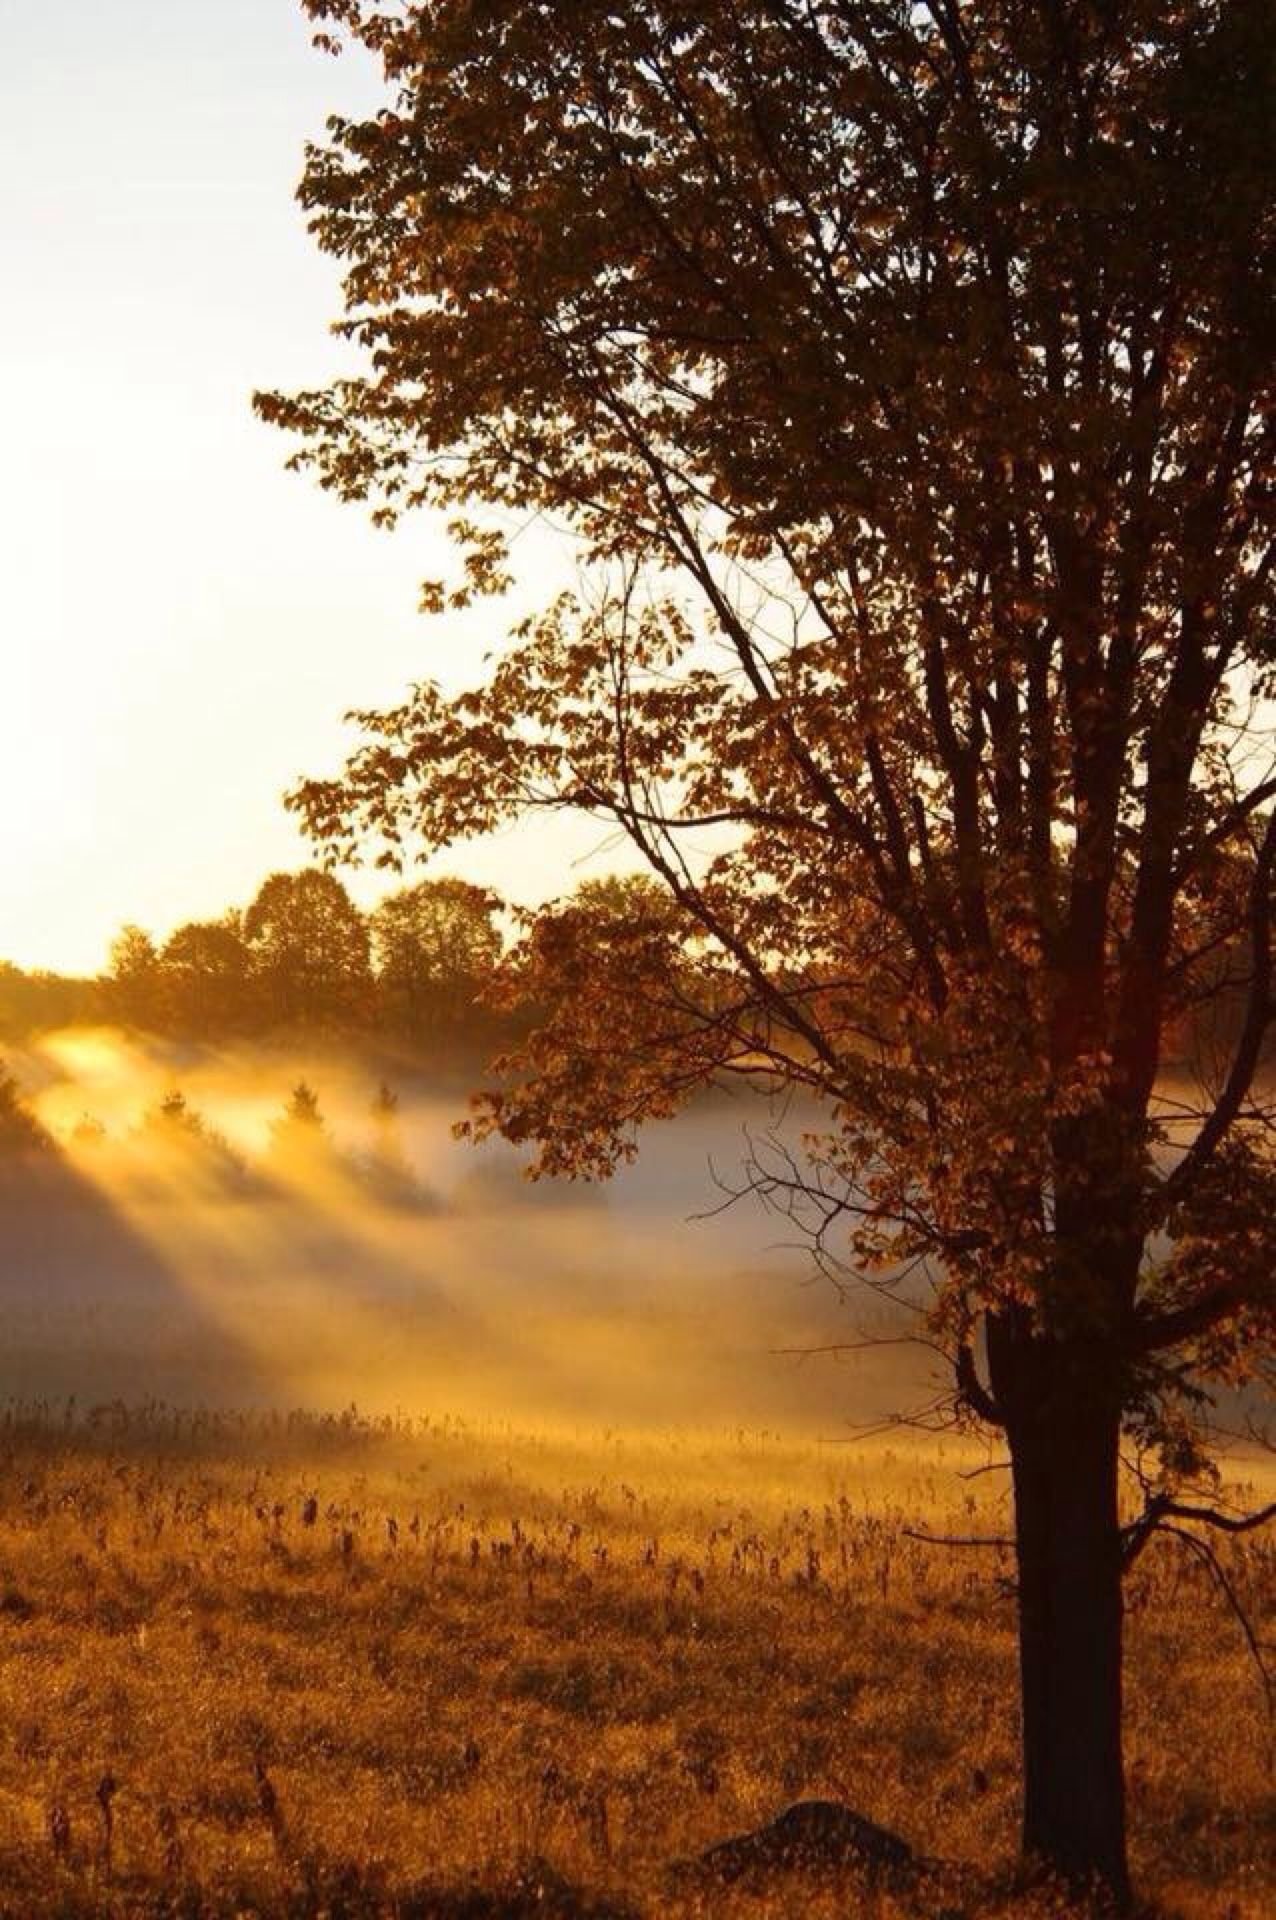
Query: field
{"x": 303, "y": 1666}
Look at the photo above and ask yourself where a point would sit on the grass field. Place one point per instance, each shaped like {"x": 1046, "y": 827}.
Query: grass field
{"x": 349, "y": 1668}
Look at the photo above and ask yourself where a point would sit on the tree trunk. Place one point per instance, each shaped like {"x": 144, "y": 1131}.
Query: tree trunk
{"x": 1063, "y": 1445}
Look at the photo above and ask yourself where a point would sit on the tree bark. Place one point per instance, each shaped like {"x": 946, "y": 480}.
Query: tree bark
{"x": 1064, "y": 1439}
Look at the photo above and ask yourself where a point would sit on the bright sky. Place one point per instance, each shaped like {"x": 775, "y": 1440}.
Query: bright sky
{"x": 184, "y": 622}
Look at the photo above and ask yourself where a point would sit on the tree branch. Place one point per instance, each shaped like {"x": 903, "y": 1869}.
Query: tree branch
{"x": 972, "y": 1389}
{"x": 1258, "y": 1016}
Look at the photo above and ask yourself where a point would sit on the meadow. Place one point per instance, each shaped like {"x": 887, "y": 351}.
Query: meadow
{"x": 258, "y": 1664}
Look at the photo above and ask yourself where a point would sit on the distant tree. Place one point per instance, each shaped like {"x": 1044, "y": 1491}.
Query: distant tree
{"x": 210, "y": 986}
{"x": 907, "y": 372}
{"x": 183, "y": 1134}
{"x": 40, "y": 1001}
{"x": 387, "y": 1168}
{"x": 626, "y": 903}
{"x": 21, "y": 1133}
{"x": 303, "y": 1108}
{"x": 435, "y": 945}
{"x": 310, "y": 951}
{"x": 12, "y": 994}
{"x": 301, "y": 1115}
{"x": 175, "y": 1112}
{"x": 135, "y": 982}
{"x": 300, "y": 1142}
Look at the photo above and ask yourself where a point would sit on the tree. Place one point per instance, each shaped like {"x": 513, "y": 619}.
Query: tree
{"x": 436, "y": 946}
{"x": 135, "y": 981}
{"x": 22, "y": 1135}
{"x": 208, "y": 973}
{"x": 301, "y": 1130}
{"x": 386, "y": 1169}
{"x": 302, "y": 1109}
{"x": 187, "y": 1144}
{"x": 906, "y": 375}
{"x": 309, "y": 946}
{"x": 387, "y": 1137}
{"x": 37, "y": 1002}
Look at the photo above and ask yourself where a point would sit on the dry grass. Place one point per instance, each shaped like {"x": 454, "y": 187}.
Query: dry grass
{"x": 353, "y": 1669}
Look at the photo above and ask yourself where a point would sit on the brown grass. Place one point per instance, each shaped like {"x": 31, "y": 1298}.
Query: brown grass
{"x": 307, "y": 1667}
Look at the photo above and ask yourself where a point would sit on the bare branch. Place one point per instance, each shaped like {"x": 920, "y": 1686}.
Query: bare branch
{"x": 956, "y": 1540}
{"x": 1258, "y": 1017}
{"x": 1205, "y": 1553}
{"x": 973, "y": 1391}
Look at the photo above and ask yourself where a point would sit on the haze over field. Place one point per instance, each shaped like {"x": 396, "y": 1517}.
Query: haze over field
{"x": 272, "y": 1272}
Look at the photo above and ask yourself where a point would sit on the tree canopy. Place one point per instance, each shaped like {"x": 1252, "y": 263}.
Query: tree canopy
{"x": 926, "y": 349}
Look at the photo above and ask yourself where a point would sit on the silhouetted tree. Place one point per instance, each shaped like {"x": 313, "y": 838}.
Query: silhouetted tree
{"x": 387, "y": 1168}
{"x": 187, "y": 1142}
{"x": 435, "y": 945}
{"x": 299, "y": 1137}
{"x": 134, "y": 985}
{"x": 210, "y": 988}
{"x": 21, "y": 1133}
{"x": 907, "y": 370}
{"x": 302, "y": 1111}
{"x": 174, "y": 1111}
{"x": 39, "y": 1001}
{"x": 309, "y": 945}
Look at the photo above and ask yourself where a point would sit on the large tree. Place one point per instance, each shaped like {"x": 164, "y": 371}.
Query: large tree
{"x": 906, "y": 373}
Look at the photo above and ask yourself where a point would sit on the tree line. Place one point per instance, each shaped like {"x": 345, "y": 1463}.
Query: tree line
{"x": 428, "y": 967}
{"x": 420, "y": 968}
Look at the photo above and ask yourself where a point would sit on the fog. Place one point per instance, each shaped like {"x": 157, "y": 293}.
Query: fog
{"x": 218, "y": 1254}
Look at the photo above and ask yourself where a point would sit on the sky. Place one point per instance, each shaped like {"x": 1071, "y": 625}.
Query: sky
{"x": 184, "y": 622}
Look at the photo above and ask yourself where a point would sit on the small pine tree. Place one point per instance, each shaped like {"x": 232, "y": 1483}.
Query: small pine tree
{"x": 175, "y": 1110}
{"x": 301, "y": 1128}
{"x": 387, "y": 1170}
{"x": 303, "y": 1107}
{"x": 179, "y": 1142}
